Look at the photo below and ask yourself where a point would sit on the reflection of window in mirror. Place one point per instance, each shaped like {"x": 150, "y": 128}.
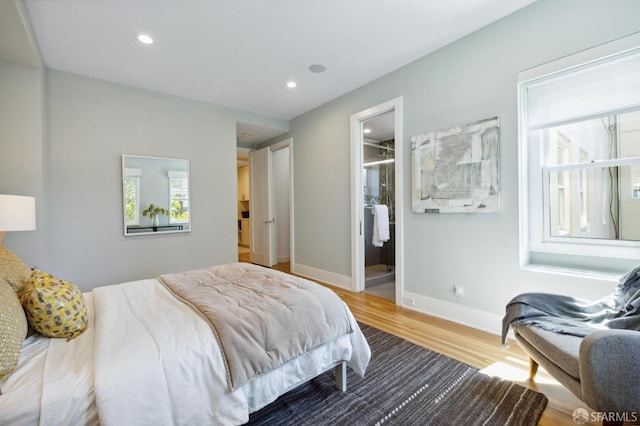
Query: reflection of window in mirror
{"x": 178, "y": 196}
{"x": 131, "y": 196}
{"x": 155, "y": 195}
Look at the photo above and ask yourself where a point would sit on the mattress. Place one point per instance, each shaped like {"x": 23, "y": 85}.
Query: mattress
{"x": 147, "y": 358}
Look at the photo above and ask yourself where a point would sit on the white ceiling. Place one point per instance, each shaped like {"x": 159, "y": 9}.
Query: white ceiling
{"x": 240, "y": 53}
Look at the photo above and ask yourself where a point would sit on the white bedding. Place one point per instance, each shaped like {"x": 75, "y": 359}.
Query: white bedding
{"x": 53, "y": 383}
{"x": 153, "y": 361}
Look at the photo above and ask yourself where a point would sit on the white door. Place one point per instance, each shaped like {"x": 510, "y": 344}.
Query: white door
{"x": 262, "y": 215}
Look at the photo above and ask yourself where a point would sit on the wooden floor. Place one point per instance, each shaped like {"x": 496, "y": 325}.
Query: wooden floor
{"x": 474, "y": 347}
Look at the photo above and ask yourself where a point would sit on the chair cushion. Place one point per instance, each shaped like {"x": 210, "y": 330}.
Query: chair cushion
{"x": 561, "y": 349}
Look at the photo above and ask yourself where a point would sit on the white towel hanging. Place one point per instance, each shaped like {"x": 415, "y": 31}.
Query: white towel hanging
{"x": 380, "y": 225}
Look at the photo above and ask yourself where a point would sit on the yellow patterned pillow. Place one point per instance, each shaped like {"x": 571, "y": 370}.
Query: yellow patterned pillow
{"x": 13, "y": 329}
{"x": 55, "y": 308}
{"x": 13, "y": 269}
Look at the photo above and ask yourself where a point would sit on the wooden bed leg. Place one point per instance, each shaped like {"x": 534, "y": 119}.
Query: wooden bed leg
{"x": 533, "y": 369}
{"x": 341, "y": 376}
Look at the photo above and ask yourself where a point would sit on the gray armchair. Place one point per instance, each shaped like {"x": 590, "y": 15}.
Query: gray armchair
{"x": 601, "y": 369}
{"x": 592, "y": 348}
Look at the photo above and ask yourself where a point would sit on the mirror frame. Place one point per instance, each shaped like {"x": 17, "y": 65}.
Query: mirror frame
{"x": 161, "y": 229}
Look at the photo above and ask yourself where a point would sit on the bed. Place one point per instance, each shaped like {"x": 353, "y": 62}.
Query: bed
{"x": 148, "y": 356}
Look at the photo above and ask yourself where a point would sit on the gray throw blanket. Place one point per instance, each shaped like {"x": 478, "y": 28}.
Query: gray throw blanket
{"x": 262, "y": 318}
{"x": 578, "y": 317}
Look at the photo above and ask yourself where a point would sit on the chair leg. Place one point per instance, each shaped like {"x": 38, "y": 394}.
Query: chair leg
{"x": 533, "y": 369}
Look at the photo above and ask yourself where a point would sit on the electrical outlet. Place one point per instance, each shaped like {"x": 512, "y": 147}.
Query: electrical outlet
{"x": 409, "y": 301}
{"x": 458, "y": 290}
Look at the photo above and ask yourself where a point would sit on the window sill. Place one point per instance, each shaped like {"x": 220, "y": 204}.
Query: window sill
{"x": 572, "y": 272}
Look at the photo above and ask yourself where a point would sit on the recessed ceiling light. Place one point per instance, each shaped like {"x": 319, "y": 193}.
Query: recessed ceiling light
{"x": 367, "y": 130}
{"x": 144, "y": 38}
{"x": 317, "y": 68}
{"x": 291, "y": 84}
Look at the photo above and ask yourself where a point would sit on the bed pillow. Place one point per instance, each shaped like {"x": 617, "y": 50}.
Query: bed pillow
{"x": 13, "y": 329}
{"x": 54, "y": 307}
{"x": 13, "y": 269}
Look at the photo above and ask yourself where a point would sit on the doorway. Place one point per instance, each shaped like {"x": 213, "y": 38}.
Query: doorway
{"x": 378, "y": 190}
{"x": 376, "y": 135}
{"x": 271, "y": 192}
{"x": 243, "y": 205}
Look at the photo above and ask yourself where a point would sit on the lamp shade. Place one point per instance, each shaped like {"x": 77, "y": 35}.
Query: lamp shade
{"x": 17, "y": 213}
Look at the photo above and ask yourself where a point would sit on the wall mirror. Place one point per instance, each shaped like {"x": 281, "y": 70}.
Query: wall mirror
{"x": 155, "y": 194}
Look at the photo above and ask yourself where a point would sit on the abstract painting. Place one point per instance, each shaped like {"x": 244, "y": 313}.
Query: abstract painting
{"x": 457, "y": 170}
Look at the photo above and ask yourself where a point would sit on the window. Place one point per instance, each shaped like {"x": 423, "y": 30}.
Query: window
{"x": 579, "y": 131}
{"x": 132, "y": 195}
{"x": 179, "y": 196}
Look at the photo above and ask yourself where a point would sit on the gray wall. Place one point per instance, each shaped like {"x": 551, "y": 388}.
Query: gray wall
{"x": 469, "y": 80}
{"x": 73, "y": 167}
{"x": 21, "y": 162}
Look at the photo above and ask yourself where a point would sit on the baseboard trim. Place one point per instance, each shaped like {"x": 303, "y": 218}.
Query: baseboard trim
{"x": 471, "y": 317}
{"x": 319, "y": 275}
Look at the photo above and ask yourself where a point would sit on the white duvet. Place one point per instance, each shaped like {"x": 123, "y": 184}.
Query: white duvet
{"x": 147, "y": 358}
{"x": 53, "y": 383}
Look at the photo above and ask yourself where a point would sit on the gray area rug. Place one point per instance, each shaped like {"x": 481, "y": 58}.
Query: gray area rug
{"x": 406, "y": 384}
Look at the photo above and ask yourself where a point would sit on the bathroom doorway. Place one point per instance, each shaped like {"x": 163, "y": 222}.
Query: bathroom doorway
{"x": 376, "y": 203}
{"x": 378, "y": 189}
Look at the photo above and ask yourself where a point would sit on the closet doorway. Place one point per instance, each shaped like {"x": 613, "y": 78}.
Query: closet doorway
{"x": 376, "y": 136}
{"x": 271, "y": 193}
{"x": 243, "y": 205}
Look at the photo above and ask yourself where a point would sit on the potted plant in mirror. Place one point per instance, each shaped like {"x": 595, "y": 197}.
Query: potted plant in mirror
{"x": 153, "y": 212}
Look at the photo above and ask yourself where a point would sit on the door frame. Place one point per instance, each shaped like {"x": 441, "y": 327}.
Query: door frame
{"x": 357, "y": 201}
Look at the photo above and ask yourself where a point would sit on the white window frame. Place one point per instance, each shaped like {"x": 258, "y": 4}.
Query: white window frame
{"x": 564, "y": 206}
{"x": 534, "y": 179}
{"x": 177, "y": 174}
{"x": 135, "y": 174}
{"x": 635, "y": 186}
{"x": 584, "y": 193}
